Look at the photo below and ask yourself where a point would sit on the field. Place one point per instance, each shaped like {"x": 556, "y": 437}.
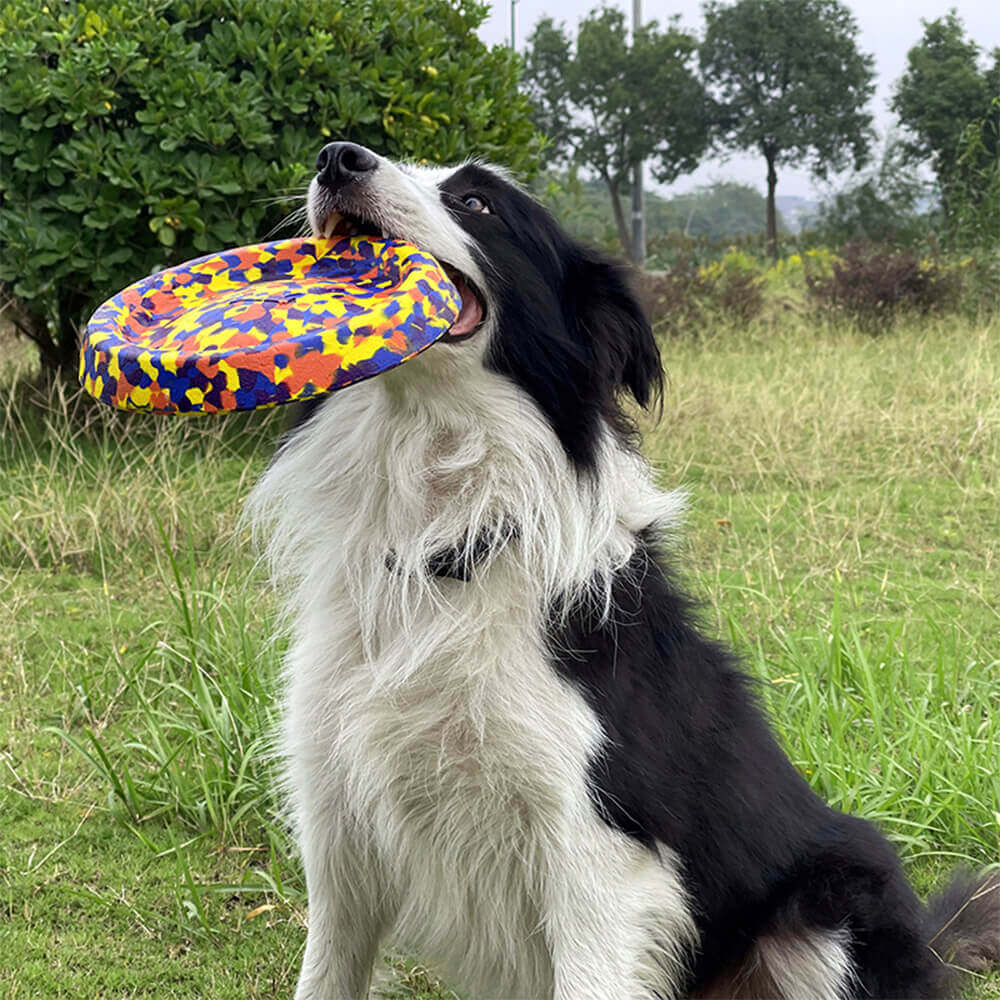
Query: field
{"x": 844, "y": 534}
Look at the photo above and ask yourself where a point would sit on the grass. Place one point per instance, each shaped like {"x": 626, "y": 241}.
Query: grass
{"x": 843, "y": 534}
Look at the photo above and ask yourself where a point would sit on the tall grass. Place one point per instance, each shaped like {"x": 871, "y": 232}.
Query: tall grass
{"x": 198, "y": 743}
{"x": 906, "y": 739}
{"x": 174, "y": 712}
{"x": 89, "y": 488}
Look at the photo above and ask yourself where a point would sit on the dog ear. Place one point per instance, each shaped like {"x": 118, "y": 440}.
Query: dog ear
{"x": 612, "y": 323}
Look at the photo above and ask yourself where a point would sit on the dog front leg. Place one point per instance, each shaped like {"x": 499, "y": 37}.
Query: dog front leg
{"x": 348, "y": 913}
{"x": 617, "y": 922}
{"x": 585, "y": 927}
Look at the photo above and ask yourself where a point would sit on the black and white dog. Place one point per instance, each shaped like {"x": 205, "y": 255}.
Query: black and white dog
{"x": 509, "y": 750}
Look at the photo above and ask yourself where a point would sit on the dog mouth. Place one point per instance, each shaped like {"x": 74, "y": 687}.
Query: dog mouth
{"x": 473, "y": 311}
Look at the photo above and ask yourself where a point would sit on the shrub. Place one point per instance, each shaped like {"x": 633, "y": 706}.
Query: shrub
{"x": 872, "y": 285}
{"x": 145, "y": 132}
{"x": 981, "y": 284}
{"x": 739, "y": 295}
{"x": 687, "y": 298}
{"x": 679, "y": 249}
{"x": 864, "y": 212}
{"x": 670, "y": 298}
{"x": 790, "y": 271}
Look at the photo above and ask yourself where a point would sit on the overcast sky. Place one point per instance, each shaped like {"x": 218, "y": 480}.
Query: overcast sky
{"x": 888, "y": 29}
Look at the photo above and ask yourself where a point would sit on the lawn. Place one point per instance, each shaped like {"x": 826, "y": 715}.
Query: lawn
{"x": 843, "y": 533}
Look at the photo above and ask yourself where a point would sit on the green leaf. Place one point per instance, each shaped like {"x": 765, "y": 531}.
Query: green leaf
{"x": 139, "y": 125}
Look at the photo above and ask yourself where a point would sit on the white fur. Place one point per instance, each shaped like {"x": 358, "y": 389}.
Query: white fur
{"x": 807, "y": 966}
{"x": 436, "y": 763}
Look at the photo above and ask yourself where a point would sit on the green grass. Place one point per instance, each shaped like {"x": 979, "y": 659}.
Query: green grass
{"x": 844, "y": 534}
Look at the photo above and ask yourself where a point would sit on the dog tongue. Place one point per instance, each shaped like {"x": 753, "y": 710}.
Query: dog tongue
{"x": 471, "y": 313}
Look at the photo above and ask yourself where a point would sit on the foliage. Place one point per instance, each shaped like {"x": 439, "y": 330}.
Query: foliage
{"x": 689, "y": 299}
{"x": 888, "y": 204}
{"x": 581, "y": 205}
{"x": 981, "y": 284}
{"x": 871, "y": 286}
{"x": 790, "y": 83}
{"x": 944, "y": 88}
{"x": 817, "y": 260}
{"x": 974, "y": 185}
{"x": 146, "y": 132}
{"x": 716, "y": 212}
{"x": 678, "y": 248}
{"x": 609, "y": 103}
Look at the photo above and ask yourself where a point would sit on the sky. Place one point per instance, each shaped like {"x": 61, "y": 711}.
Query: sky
{"x": 888, "y": 29}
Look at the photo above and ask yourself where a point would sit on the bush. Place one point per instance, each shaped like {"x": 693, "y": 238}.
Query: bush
{"x": 678, "y": 249}
{"x": 789, "y": 272}
{"x": 141, "y": 133}
{"x": 686, "y": 298}
{"x": 872, "y": 285}
{"x": 981, "y": 284}
{"x": 866, "y": 213}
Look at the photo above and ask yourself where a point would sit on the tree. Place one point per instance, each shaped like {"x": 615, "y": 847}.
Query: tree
{"x": 886, "y": 204}
{"x": 715, "y": 211}
{"x": 138, "y": 134}
{"x": 943, "y": 90}
{"x": 974, "y": 187}
{"x": 611, "y": 104}
{"x": 789, "y": 82}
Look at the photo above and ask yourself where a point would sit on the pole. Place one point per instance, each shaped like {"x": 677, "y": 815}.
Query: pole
{"x": 513, "y": 25}
{"x": 638, "y": 205}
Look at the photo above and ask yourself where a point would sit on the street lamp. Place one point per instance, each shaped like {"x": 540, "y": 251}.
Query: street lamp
{"x": 638, "y": 208}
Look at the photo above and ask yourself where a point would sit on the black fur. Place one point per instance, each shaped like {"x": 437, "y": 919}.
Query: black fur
{"x": 690, "y": 762}
{"x": 572, "y": 334}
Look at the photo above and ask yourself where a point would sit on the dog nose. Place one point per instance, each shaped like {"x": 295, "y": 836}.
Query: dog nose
{"x": 340, "y": 162}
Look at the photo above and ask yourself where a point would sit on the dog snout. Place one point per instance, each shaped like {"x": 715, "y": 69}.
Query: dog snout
{"x": 341, "y": 162}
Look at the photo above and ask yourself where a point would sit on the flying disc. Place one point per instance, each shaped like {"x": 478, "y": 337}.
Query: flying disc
{"x": 266, "y": 324}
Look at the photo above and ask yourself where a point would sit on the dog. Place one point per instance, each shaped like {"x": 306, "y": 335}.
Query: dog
{"x": 507, "y": 746}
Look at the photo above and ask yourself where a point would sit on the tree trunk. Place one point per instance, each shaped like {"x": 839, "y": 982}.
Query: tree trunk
{"x": 772, "y": 215}
{"x": 624, "y": 236}
{"x": 57, "y": 342}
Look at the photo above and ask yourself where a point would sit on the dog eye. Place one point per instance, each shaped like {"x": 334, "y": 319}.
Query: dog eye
{"x": 476, "y": 203}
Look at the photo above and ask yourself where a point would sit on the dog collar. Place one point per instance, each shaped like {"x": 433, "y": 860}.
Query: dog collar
{"x": 457, "y": 562}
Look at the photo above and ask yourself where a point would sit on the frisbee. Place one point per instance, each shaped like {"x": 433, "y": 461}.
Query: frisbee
{"x": 266, "y": 324}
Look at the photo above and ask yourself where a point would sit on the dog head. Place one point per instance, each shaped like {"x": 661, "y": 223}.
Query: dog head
{"x": 557, "y": 318}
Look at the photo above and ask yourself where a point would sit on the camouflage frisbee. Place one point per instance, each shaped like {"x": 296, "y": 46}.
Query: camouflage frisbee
{"x": 266, "y": 324}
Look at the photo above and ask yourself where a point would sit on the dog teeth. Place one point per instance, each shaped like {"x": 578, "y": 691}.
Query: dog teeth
{"x": 339, "y": 225}
{"x": 331, "y": 223}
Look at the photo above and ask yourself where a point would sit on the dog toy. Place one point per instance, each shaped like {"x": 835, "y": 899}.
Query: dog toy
{"x": 261, "y": 325}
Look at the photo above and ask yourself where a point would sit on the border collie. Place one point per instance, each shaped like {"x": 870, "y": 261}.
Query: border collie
{"x": 508, "y": 748}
